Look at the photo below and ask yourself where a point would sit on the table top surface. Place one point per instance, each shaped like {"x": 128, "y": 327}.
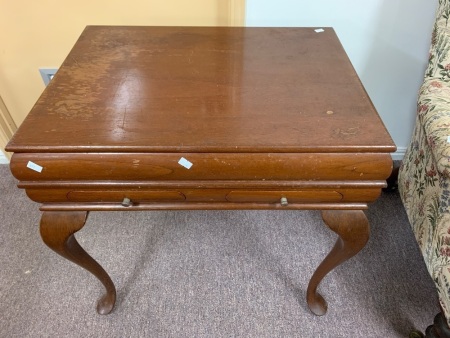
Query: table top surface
{"x": 204, "y": 89}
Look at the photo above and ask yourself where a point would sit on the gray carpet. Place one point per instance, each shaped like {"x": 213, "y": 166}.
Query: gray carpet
{"x": 210, "y": 274}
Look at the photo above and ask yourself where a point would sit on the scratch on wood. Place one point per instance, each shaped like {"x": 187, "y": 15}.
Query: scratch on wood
{"x": 75, "y": 61}
{"x": 123, "y": 120}
{"x": 347, "y": 132}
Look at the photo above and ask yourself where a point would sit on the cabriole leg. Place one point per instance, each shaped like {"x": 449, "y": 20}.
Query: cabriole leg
{"x": 57, "y": 231}
{"x": 353, "y": 230}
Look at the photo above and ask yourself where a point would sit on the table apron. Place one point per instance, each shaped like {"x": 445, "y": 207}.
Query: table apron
{"x": 205, "y": 166}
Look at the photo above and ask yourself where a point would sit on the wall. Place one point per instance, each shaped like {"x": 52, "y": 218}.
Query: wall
{"x": 35, "y": 34}
{"x": 387, "y": 42}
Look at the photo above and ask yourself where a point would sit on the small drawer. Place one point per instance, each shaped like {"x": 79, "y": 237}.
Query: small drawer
{"x": 275, "y": 196}
{"x": 119, "y": 195}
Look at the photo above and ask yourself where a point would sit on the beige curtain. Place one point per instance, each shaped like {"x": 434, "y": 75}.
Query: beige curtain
{"x": 7, "y": 127}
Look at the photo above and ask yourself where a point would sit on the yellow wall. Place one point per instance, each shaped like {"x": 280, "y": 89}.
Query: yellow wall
{"x": 39, "y": 34}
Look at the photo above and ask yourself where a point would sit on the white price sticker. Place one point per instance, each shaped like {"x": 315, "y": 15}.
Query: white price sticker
{"x": 34, "y": 166}
{"x": 185, "y": 163}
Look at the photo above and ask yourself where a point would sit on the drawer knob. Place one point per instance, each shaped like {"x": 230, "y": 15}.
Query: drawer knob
{"x": 284, "y": 201}
{"x": 127, "y": 202}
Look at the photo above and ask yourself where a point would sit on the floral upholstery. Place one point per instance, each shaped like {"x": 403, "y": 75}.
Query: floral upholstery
{"x": 424, "y": 178}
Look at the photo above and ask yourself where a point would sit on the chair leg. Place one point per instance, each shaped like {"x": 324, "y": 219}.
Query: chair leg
{"x": 392, "y": 181}
{"x": 439, "y": 329}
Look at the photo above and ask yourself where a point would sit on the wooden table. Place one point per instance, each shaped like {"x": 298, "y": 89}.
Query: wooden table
{"x": 151, "y": 118}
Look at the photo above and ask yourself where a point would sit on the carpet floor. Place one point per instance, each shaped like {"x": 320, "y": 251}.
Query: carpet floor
{"x": 210, "y": 274}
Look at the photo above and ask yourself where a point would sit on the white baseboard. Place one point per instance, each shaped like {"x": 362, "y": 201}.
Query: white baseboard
{"x": 3, "y": 158}
{"x": 399, "y": 154}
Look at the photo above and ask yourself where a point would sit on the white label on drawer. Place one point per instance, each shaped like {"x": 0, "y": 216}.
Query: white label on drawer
{"x": 185, "y": 163}
{"x": 319, "y": 30}
{"x": 34, "y": 166}
{"x": 448, "y": 139}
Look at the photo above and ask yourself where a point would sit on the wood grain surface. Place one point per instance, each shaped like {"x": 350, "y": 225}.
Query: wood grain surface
{"x": 197, "y": 89}
{"x": 215, "y": 166}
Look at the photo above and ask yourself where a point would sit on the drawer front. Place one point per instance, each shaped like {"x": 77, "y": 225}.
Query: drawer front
{"x": 218, "y": 166}
{"x": 289, "y": 196}
{"x": 201, "y": 195}
{"x": 117, "y": 196}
